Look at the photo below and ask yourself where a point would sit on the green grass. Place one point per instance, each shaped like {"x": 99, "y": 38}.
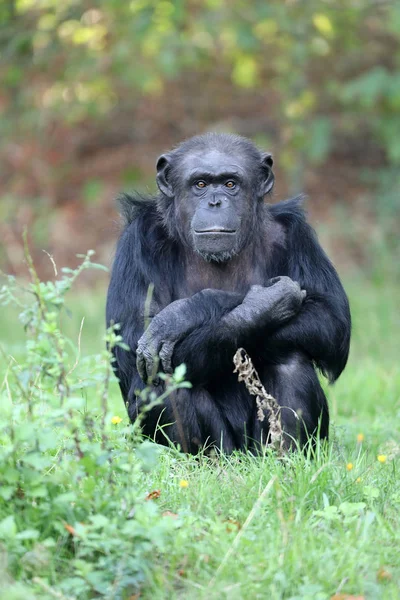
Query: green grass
{"x": 295, "y": 528}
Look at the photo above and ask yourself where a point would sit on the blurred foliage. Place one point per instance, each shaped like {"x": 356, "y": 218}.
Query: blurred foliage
{"x": 317, "y": 81}
{"x": 62, "y": 456}
{"x": 73, "y": 60}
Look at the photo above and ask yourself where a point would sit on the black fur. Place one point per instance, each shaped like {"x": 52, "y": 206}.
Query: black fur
{"x": 218, "y": 410}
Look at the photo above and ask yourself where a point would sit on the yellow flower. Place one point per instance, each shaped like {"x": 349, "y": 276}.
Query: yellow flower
{"x": 349, "y": 466}
{"x": 382, "y": 458}
{"x": 358, "y": 480}
{"x": 184, "y": 483}
{"x": 115, "y": 420}
{"x": 360, "y": 437}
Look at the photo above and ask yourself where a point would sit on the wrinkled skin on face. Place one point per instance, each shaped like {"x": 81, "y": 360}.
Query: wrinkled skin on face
{"x": 215, "y": 195}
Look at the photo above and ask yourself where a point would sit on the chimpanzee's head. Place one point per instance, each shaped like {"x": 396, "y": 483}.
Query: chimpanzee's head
{"x": 211, "y": 186}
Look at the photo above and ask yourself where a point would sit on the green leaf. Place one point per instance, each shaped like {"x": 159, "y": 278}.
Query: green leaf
{"x": 37, "y": 460}
{"x": 371, "y": 492}
{"x": 99, "y": 521}
{"x": 28, "y": 534}
{"x": 330, "y": 513}
{"x": 40, "y": 491}
{"x": 179, "y": 373}
{"x": 66, "y": 498}
{"x": 351, "y": 508}
{"x": 8, "y": 528}
{"x": 245, "y": 71}
{"x": 6, "y": 491}
{"x": 98, "y": 267}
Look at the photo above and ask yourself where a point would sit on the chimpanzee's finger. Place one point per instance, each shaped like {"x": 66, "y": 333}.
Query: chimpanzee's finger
{"x": 141, "y": 365}
{"x": 166, "y": 352}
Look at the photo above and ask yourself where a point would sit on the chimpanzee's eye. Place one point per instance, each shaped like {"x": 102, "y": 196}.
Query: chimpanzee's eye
{"x": 201, "y": 184}
{"x": 230, "y": 184}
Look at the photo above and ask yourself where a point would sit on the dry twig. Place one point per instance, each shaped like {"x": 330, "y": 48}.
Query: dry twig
{"x": 265, "y": 402}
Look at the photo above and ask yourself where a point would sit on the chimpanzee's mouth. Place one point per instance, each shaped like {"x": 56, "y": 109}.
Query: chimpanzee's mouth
{"x": 214, "y": 230}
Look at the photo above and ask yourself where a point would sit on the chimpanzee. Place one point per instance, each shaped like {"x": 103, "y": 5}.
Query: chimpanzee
{"x": 227, "y": 270}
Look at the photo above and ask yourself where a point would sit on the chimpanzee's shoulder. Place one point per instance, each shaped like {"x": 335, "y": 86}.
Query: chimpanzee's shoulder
{"x": 289, "y": 212}
{"x": 135, "y": 206}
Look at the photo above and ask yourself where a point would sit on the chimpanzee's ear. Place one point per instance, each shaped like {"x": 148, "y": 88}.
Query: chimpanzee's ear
{"x": 163, "y": 170}
{"x": 268, "y": 178}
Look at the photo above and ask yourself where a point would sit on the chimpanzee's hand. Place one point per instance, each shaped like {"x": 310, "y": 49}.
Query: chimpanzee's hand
{"x": 278, "y": 301}
{"x": 159, "y": 339}
{"x": 271, "y": 305}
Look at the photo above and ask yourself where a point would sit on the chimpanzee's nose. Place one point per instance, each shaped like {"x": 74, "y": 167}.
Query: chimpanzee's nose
{"x": 214, "y": 200}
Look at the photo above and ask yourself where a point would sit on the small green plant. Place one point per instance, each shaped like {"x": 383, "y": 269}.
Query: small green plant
{"x": 74, "y": 522}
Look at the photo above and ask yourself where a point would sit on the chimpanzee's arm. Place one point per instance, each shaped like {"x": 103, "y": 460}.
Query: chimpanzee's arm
{"x": 322, "y": 327}
{"x": 176, "y": 322}
{"x": 126, "y": 293}
{"x": 204, "y": 331}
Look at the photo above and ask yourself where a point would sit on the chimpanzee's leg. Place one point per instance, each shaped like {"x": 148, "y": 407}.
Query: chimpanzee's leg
{"x": 295, "y": 386}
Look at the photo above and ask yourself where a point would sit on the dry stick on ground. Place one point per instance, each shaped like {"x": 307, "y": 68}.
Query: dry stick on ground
{"x": 265, "y": 402}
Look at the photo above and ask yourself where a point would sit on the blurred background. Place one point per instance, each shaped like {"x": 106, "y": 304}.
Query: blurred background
{"x": 92, "y": 92}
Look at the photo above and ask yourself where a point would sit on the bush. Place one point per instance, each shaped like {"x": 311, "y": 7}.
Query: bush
{"x": 74, "y": 521}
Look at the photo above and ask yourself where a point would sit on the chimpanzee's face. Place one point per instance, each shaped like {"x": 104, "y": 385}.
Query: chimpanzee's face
{"x": 215, "y": 203}
{"x": 215, "y": 196}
